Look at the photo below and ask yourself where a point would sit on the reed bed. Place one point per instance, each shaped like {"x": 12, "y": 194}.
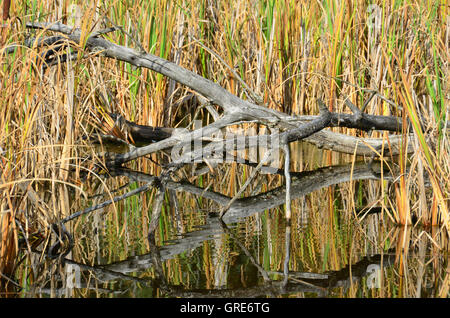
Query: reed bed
{"x": 288, "y": 53}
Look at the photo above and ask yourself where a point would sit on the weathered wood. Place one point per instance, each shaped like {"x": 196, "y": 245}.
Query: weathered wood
{"x": 141, "y": 134}
{"x": 236, "y": 109}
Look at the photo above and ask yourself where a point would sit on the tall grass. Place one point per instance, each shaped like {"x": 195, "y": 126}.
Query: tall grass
{"x": 287, "y": 52}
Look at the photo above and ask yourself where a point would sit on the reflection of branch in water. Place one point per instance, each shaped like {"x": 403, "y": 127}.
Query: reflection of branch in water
{"x": 143, "y": 188}
{"x": 298, "y": 281}
{"x": 301, "y": 184}
{"x": 156, "y": 208}
{"x": 266, "y": 157}
{"x": 287, "y": 242}
{"x": 155, "y": 256}
{"x": 246, "y": 252}
{"x": 287, "y": 255}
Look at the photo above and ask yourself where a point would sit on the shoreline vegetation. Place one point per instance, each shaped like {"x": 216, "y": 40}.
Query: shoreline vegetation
{"x": 360, "y": 81}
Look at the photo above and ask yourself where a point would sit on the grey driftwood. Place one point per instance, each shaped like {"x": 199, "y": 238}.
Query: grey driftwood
{"x": 236, "y": 110}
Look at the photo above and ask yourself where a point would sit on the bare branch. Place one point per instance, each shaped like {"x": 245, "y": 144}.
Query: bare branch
{"x": 236, "y": 109}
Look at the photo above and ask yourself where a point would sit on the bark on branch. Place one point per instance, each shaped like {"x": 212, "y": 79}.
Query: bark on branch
{"x": 236, "y": 109}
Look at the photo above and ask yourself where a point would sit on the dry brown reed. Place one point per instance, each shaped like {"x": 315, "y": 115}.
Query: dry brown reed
{"x": 287, "y": 52}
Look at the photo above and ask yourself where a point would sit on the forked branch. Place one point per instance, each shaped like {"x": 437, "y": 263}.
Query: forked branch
{"x": 237, "y": 110}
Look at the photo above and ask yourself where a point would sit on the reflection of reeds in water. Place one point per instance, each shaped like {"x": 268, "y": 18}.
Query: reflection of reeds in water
{"x": 318, "y": 245}
{"x": 287, "y": 53}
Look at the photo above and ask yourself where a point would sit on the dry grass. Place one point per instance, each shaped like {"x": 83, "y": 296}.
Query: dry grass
{"x": 287, "y": 52}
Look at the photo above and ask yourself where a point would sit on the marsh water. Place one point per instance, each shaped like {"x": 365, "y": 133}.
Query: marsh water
{"x": 340, "y": 242}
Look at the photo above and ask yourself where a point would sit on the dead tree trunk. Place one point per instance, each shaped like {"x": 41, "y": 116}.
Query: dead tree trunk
{"x": 236, "y": 110}
{"x": 285, "y": 128}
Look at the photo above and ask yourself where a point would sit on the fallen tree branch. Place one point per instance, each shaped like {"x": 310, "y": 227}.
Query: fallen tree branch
{"x": 235, "y": 109}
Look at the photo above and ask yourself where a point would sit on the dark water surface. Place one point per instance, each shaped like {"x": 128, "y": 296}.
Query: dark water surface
{"x": 339, "y": 243}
